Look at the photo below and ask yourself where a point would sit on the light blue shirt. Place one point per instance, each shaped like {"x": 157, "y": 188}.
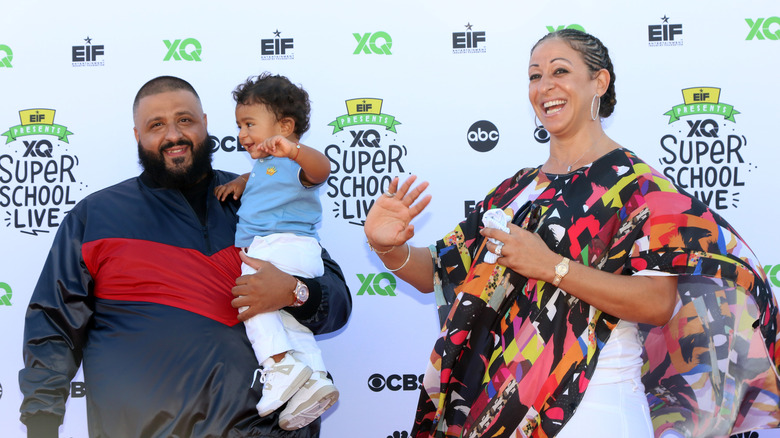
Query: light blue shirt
{"x": 275, "y": 201}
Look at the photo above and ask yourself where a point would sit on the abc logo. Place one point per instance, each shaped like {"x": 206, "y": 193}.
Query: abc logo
{"x": 394, "y": 382}
{"x": 482, "y": 136}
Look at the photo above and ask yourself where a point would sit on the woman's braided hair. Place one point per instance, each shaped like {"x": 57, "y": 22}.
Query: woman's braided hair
{"x": 596, "y": 57}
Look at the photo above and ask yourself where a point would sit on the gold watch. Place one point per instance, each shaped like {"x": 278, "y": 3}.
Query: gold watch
{"x": 561, "y": 269}
{"x": 301, "y": 293}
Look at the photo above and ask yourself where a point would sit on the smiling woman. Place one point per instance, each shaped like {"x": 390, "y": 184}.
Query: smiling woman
{"x": 596, "y": 298}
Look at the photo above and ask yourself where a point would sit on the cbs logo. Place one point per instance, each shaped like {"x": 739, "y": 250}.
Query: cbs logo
{"x": 395, "y": 382}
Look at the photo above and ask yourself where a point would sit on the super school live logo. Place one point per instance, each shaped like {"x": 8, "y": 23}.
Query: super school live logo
{"x": 364, "y": 159}
{"x": 706, "y": 155}
{"x": 37, "y": 184}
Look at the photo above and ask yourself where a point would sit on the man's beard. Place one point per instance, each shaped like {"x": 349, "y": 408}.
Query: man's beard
{"x": 178, "y": 176}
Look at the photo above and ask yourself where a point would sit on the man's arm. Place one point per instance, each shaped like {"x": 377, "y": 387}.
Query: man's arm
{"x": 55, "y": 327}
{"x": 270, "y": 289}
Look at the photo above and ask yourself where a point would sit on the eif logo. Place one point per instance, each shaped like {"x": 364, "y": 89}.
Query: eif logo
{"x": 378, "y": 43}
{"x": 382, "y": 284}
{"x": 664, "y": 34}
{"x": 5, "y": 294}
{"x": 552, "y": 29}
{"x": 395, "y": 382}
{"x": 470, "y": 41}
{"x": 187, "y": 50}
{"x": 6, "y": 56}
{"x": 482, "y": 136}
{"x": 87, "y": 55}
{"x": 364, "y": 159}
{"x": 762, "y": 28}
{"x": 37, "y": 174}
{"x": 706, "y": 155}
{"x": 276, "y": 48}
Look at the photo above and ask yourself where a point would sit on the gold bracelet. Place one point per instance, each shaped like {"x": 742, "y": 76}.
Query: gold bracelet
{"x": 379, "y": 252}
{"x": 242, "y": 177}
{"x": 408, "y": 256}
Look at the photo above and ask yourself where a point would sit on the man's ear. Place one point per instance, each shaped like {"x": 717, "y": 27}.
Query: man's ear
{"x": 135, "y": 133}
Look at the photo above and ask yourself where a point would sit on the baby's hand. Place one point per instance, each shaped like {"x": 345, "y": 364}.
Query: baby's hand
{"x": 278, "y": 146}
{"x": 235, "y": 187}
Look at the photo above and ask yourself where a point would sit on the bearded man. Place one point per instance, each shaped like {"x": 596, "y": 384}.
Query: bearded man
{"x": 142, "y": 286}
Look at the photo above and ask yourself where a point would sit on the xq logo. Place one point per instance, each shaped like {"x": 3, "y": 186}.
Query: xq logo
{"x": 394, "y": 382}
{"x": 773, "y": 274}
{"x": 179, "y": 50}
{"x": 367, "y": 43}
{"x": 5, "y": 294}
{"x": 552, "y": 29}
{"x": 40, "y": 148}
{"x": 372, "y": 284}
{"x": 707, "y": 128}
{"x": 760, "y": 28}
{"x": 6, "y": 56}
{"x": 368, "y": 138}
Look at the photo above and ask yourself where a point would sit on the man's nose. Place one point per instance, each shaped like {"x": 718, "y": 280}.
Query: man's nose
{"x": 173, "y": 134}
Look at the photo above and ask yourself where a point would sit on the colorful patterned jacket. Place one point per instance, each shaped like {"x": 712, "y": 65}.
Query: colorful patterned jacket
{"x": 515, "y": 355}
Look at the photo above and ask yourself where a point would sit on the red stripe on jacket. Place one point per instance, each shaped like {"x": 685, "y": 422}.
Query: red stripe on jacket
{"x": 139, "y": 270}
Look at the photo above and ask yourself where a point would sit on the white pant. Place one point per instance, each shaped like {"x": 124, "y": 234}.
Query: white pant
{"x": 276, "y": 332}
{"x": 614, "y": 405}
{"x": 616, "y": 410}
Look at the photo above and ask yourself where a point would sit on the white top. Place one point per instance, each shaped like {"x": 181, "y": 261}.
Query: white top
{"x": 621, "y": 357}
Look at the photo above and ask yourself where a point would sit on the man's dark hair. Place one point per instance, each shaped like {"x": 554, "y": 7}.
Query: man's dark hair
{"x": 162, "y": 84}
{"x": 282, "y": 97}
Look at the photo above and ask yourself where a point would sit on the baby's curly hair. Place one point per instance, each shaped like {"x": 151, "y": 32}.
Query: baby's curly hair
{"x": 281, "y": 96}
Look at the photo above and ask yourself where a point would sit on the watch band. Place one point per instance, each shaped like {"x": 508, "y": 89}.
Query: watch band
{"x": 561, "y": 269}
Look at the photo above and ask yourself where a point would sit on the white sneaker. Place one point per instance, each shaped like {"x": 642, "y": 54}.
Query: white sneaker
{"x": 309, "y": 403}
{"x": 280, "y": 381}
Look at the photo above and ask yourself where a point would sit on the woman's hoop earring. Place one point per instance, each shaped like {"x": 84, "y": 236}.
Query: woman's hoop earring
{"x": 592, "y": 115}
{"x": 540, "y": 134}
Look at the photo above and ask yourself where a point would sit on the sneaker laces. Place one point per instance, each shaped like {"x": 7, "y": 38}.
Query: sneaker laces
{"x": 264, "y": 376}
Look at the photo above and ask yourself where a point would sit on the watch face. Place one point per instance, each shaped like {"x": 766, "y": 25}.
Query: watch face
{"x": 302, "y": 291}
{"x": 561, "y": 269}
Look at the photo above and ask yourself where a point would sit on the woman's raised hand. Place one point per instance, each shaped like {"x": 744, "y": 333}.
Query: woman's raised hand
{"x": 388, "y": 223}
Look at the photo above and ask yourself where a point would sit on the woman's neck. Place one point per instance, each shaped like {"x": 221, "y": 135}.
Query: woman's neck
{"x": 567, "y": 154}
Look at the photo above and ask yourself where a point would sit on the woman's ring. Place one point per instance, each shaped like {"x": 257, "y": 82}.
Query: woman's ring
{"x": 499, "y": 247}
{"x": 389, "y": 194}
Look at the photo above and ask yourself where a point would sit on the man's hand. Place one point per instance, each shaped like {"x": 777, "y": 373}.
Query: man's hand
{"x": 267, "y": 290}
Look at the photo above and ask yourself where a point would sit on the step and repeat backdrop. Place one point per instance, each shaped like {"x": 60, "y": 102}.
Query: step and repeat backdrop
{"x": 434, "y": 89}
